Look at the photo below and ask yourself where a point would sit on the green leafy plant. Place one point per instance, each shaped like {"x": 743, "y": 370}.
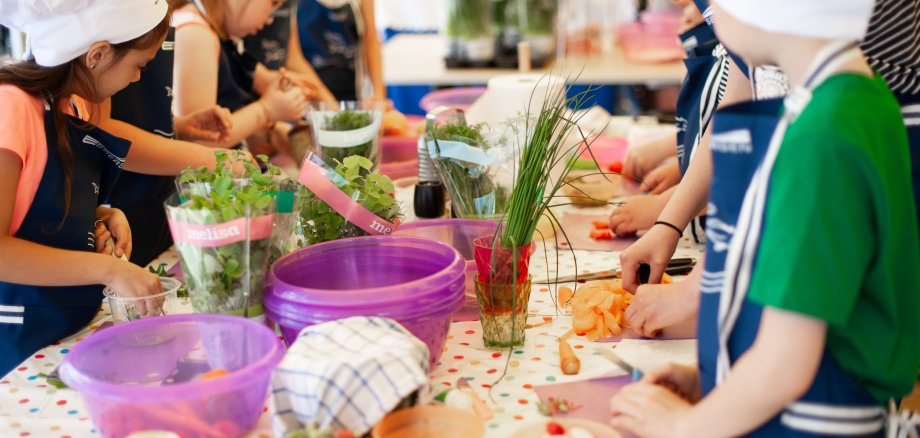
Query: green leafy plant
{"x": 348, "y": 120}
{"x": 469, "y": 19}
{"x": 228, "y": 278}
{"x": 473, "y": 191}
{"x": 160, "y": 271}
{"x": 320, "y": 223}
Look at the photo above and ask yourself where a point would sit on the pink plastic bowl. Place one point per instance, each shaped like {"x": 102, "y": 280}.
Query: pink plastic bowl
{"x": 417, "y": 282}
{"x": 399, "y": 157}
{"x": 148, "y": 375}
{"x": 460, "y": 97}
{"x": 458, "y": 233}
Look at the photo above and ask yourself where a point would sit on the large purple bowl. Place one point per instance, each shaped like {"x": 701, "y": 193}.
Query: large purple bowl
{"x": 150, "y": 375}
{"x": 415, "y": 281}
{"x": 458, "y": 233}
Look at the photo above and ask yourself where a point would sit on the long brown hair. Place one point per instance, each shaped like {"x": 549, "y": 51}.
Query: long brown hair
{"x": 57, "y": 84}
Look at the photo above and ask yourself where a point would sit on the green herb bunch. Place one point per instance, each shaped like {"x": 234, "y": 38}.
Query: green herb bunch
{"x": 469, "y": 19}
{"x": 217, "y": 276}
{"x": 348, "y": 120}
{"x": 320, "y": 223}
{"x": 473, "y": 192}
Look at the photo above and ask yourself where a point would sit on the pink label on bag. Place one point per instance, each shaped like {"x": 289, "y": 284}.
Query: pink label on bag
{"x": 311, "y": 176}
{"x": 215, "y": 235}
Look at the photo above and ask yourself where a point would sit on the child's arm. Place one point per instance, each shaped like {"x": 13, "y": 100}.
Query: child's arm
{"x": 25, "y": 262}
{"x": 297, "y": 63}
{"x": 658, "y": 244}
{"x": 195, "y": 86}
{"x": 774, "y": 372}
{"x": 372, "y": 51}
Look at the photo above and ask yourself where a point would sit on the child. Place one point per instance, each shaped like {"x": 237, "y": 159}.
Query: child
{"x": 55, "y": 170}
{"x": 209, "y": 69}
{"x": 339, "y": 39}
{"x": 808, "y": 312}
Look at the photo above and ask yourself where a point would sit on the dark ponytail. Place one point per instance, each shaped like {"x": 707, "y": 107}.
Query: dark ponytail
{"x": 56, "y": 85}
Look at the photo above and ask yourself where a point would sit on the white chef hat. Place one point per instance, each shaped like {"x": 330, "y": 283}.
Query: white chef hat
{"x": 830, "y": 19}
{"x": 61, "y": 30}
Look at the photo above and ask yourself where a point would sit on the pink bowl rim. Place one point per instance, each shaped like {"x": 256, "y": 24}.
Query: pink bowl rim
{"x": 246, "y": 375}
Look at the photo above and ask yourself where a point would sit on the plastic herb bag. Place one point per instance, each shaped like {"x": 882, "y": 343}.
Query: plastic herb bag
{"x": 475, "y": 164}
{"x": 347, "y": 201}
{"x": 222, "y": 230}
{"x": 346, "y": 129}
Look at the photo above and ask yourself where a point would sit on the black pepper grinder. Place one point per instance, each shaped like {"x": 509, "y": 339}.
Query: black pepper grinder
{"x": 428, "y": 201}
{"x": 429, "y": 192}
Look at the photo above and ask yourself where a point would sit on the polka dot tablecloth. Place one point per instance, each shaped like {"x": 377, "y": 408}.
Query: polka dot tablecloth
{"x": 30, "y": 407}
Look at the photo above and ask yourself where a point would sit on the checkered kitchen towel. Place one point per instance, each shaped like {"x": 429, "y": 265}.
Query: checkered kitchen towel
{"x": 348, "y": 373}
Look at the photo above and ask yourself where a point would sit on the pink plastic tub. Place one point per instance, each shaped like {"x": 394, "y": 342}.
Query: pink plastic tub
{"x": 649, "y": 44}
{"x": 459, "y": 97}
{"x": 399, "y": 157}
{"x": 149, "y": 375}
{"x": 416, "y": 281}
{"x": 458, "y": 233}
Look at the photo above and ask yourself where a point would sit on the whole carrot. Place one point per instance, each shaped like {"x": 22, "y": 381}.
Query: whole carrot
{"x": 568, "y": 362}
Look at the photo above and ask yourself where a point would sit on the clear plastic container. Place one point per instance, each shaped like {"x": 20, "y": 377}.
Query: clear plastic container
{"x": 416, "y": 281}
{"x": 199, "y": 375}
{"x": 126, "y": 309}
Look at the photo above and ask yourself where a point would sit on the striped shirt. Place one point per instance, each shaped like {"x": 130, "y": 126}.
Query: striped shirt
{"x": 892, "y": 44}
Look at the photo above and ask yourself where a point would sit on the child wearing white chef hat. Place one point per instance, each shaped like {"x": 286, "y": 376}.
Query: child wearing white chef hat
{"x": 56, "y": 169}
{"x": 808, "y": 307}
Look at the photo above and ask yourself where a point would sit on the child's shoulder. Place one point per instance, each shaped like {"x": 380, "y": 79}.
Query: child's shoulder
{"x": 13, "y": 98}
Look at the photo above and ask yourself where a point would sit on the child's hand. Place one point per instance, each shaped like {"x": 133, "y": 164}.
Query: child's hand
{"x": 290, "y": 104}
{"x": 101, "y": 235}
{"x": 212, "y": 124}
{"x": 655, "y": 249}
{"x": 646, "y": 409}
{"x": 644, "y": 157}
{"x": 130, "y": 280}
{"x": 117, "y": 224}
{"x": 661, "y": 178}
{"x": 637, "y": 213}
{"x": 658, "y": 306}
{"x": 681, "y": 379}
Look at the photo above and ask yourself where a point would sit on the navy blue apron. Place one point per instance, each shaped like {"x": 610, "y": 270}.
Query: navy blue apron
{"x": 270, "y": 45}
{"x": 35, "y": 316}
{"x": 701, "y": 91}
{"x": 834, "y": 404}
{"x": 329, "y": 39}
{"x": 141, "y": 197}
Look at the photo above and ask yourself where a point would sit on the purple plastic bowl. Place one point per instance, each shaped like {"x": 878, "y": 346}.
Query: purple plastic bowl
{"x": 148, "y": 375}
{"x": 415, "y": 281}
{"x": 458, "y": 233}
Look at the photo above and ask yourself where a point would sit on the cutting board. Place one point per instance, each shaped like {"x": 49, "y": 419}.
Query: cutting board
{"x": 578, "y": 228}
{"x": 592, "y": 396}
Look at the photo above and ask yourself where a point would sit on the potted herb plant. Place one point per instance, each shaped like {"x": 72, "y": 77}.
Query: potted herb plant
{"x": 346, "y": 129}
{"x": 472, "y": 167}
{"x": 502, "y": 259}
{"x": 363, "y": 186}
{"x": 470, "y": 34}
{"x": 222, "y": 229}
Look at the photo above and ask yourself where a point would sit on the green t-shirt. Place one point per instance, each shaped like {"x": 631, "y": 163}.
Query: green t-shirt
{"x": 839, "y": 239}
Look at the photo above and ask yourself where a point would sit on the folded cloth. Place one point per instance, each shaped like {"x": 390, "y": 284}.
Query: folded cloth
{"x": 348, "y": 373}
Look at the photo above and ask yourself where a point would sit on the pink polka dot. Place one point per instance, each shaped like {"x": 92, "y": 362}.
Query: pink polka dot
{"x": 491, "y": 371}
{"x": 451, "y": 370}
{"x": 446, "y": 383}
{"x": 496, "y": 355}
{"x": 39, "y": 356}
{"x": 536, "y": 359}
{"x": 24, "y": 434}
{"x": 22, "y": 368}
{"x": 458, "y": 357}
{"x": 23, "y": 401}
{"x": 580, "y": 334}
{"x": 5, "y": 382}
{"x": 465, "y": 344}
{"x": 470, "y": 332}
{"x": 264, "y": 409}
{"x": 61, "y": 402}
{"x": 486, "y": 385}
